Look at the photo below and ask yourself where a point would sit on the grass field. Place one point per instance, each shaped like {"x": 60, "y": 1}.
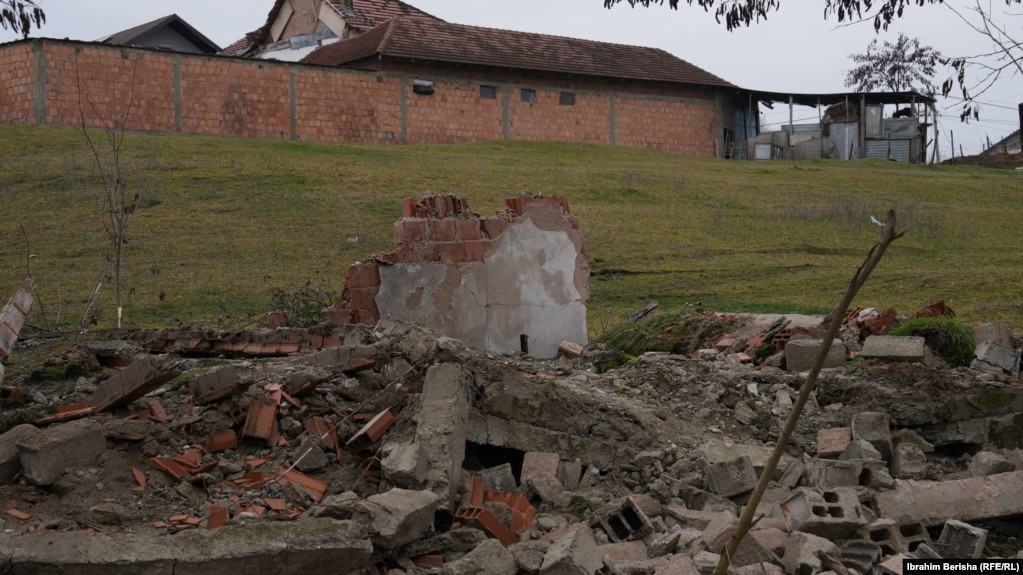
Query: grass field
{"x": 224, "y": 224}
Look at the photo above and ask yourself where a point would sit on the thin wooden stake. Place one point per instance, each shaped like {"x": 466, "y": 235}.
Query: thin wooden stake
{"x": 745, "y": 521}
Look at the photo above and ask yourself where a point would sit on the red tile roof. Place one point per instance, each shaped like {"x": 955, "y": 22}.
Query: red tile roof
{"x": 359, "y": 14}
{"x": 437, "y": 41}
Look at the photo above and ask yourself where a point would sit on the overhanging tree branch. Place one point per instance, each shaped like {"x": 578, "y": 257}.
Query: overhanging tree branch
{"x": 21, "y": 15}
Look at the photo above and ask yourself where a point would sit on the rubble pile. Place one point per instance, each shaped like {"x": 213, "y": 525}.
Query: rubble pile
{"x": 391, "y": 449}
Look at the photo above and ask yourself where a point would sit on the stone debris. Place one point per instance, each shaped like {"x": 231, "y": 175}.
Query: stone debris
{"x": 395, "y": 450}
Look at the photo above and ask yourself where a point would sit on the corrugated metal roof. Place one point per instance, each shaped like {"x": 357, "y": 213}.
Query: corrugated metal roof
{"x": 436, "y": 41}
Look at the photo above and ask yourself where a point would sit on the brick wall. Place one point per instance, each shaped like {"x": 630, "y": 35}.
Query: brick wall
{"x": 44, "y": 81}
{"x": 436, "y": 229}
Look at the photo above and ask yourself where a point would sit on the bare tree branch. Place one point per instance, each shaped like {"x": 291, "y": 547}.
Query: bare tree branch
{"x": 21, "y": 15}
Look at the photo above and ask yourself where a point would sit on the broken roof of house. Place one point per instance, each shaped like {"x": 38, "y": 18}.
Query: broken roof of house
{"x": 358, "y": 14}
{"x": 438, "y": 41}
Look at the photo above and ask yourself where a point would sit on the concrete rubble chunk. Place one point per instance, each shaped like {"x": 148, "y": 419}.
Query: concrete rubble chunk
{"x": 800, "y": 557}
{"x": 732, "y": 478}
{"x": 46, "y": 455}
{"x": 537, "y": 465}
{"x": 10, "y": 455}
{"x": 988, "y": 463}
{"x": 442, "y": 429}
{"x": 859, "y": 554}
{"x": 860, "y": 449}
{"x": 400, "y": 516}
{"x": 934, "y": 502}
{"x": 1004, "y": 358}
{"x": 619, "y": 554}
{"x": 800, "y": 354}
{"x": 908, "y": 461}
{"x": 488, "y": 557}
{"x": 893, "y": 565}
{"x": 404, "y": 465}
{"x": 873, "y": 426}
{"x": 832, "y": 442}
{"x": 896, "y": 348}
{"x": 574, "y": 553}
{"x": 961, "y": 540}
{"x": 141, "y": 377}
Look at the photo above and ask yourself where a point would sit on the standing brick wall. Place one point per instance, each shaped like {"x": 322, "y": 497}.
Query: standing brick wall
{"x": 45, "y": 80}
{"x": 441, "y": 118}
{"x": 16, "y": 74}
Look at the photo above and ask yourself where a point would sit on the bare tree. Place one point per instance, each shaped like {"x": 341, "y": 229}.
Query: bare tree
{"x": 21, "y": 15}
{"x": 898, "y": 66}
{"x": 121, "y": 193}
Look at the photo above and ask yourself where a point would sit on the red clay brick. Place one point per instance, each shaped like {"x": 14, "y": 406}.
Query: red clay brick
{"x": 443, "y": 230}
{"x": 364, "y": 299}
{"x": 364, "y": 275}
{"x": 474, "y": 251}
{"x": 414, "y": 230}
{"x": 493, "y": 226}
{"x": 468, "y": 228}
{"x": 450, "y": 252}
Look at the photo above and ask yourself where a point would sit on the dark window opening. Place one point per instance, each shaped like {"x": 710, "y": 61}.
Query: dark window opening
{"x": 567, "y": 99}
{"x": 528, "y": 95}
{"x": 422, "y": 87}
{"x": 488, "y": 92}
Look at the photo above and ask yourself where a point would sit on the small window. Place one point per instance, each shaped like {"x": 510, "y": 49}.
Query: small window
{"x": 567, "y": 99}
{"x": 488, "y": 92}
{"x": 528, "y": 95}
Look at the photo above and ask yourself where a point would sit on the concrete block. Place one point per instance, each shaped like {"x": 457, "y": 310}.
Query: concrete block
{"x": 908, "y": 461}
{"x": 404, "y": 465}
{"x": 932, "y": 503}
{"x": 832, "y": 442}
{"x": 537, "y": 465}
{"x": 574, "y": 553}
{"x": 499, "y": 478}
{"x": 619, "y": 554}
{"x": 799, "y": 552}
{"x": 896, "y": 348}
{"x": 10, "y": 456}
{"x": 800, "y": 354}
{"x": 910, "y": 436}
{"x": 988, "y": 463}
{"x": 834, "y": 514}
{"x": 860, "y": 449}
{"x": 1004, "y": 357}
{"x": 732, "y": 478}
{"x": 993, "y": 332}
{"x": 627, "y": 523}
{"x": 873, "y": 426}
{"x": 400, "y": 516}
{"x": 893, "y": 537}
{"x": 960, "y": 540}
{"x": 488, "y": 557}
{"x": 45, "y": 456}
{"x": 859, "y": 554}
{"x": 572, "y": 471}
{"x": 831, "y": 473}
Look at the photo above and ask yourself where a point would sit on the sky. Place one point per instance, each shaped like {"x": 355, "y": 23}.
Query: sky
{"x": 795, "y": 50}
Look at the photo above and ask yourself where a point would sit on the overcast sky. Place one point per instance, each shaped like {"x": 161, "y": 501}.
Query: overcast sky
{"x": 794, "y": 51}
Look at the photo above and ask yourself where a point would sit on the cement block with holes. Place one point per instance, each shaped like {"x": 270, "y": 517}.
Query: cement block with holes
{"x": 45, "y": 456}
{"x": 873, "y": 426}
{"x": 574, "y": 553}
{"x": 908, "y": 461}
{"x": 831, "y": 473}
{"x": 834, "y": 513}
{"x": 627, "y": 523}
{"x": 800, "y": 354}
{"x": 934, "y": 502}
{"x": 894, "y": 538}
{"x": 960, "y": 540}
{"x": 732, "y": 478}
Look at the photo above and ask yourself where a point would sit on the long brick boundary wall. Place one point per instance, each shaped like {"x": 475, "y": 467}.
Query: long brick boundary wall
{"x": 57, "y": 82}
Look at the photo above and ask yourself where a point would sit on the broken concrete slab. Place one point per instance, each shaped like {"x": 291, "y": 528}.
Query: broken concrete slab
{"x": 934, "y": 502}
{"x": 312, "y": 546}
{"x": 46, "y": 455}
{"x": 442, "y": 429}
{"x": 896, "y": 348}
{"x": 574, "y": 553}
{"x": 800, "y": 354}
{"x": 10, "y": 455}
{"x": 996, "y": 358}
{"x": 400, "y": 516}
{"x": 141, "y": 377}
{"x": 404, "y": 465}
{"x": 488, "y": 557}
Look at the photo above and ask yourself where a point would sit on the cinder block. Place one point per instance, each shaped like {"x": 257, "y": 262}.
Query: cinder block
{"x": 894, "y": 538}
{"x": 627, "y": 523}
{"x": 46, "y": 455}
{"x": 732, "y": 478}
{"x": 908, "y": 461}
{"x": 834, "y": 513}
{"x": 960, "y": 540}
{"x": 873, "y": 426}
{"x": 800, "y": 354}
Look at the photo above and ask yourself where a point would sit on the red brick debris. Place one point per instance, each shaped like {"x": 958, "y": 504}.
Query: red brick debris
{"x": 434, "y": 229}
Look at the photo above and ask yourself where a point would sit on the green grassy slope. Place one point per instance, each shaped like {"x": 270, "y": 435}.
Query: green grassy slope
{"x": 226, "y": 223}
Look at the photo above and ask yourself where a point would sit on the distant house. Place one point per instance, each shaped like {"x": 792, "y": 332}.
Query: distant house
{"x": 294, "y": 28}
{"x": 170, "y": 33}
{"x": 1008, "y": 145}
